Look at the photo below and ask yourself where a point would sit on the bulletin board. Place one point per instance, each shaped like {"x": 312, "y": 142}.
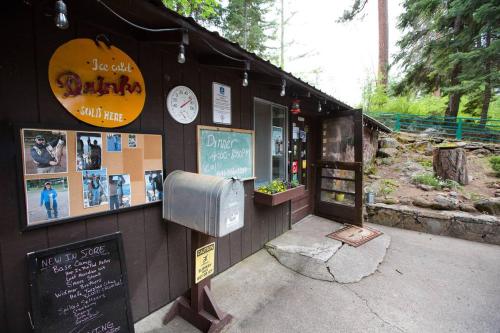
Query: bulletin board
{"x": 69, "y": 174}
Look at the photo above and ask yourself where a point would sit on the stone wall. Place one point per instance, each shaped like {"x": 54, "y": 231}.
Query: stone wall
{"x": 479, "y": 228}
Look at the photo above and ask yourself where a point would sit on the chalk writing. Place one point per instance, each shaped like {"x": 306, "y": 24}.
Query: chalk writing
{"x": 82, "y": 290}
{"x": 226, "y": 153}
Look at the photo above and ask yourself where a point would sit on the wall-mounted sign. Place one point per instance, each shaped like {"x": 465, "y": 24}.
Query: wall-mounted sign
{"x": 221, "y": 104}
{"x": 97, "y": 84}
{"x": 205, "y": 259}
{"x": 226, "y": 152}
{"x": 80, "y": 287}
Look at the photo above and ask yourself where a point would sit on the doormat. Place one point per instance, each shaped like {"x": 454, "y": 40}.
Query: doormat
{"x": 354, "y": 235}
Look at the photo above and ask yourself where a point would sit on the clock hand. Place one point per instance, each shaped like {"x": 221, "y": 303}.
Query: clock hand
{"x": 183, "y": 105}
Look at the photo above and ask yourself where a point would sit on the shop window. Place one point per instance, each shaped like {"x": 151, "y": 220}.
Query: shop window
{"x": 270, "y": 125}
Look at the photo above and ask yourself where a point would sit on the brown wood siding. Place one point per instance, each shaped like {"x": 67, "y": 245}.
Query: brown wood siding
{"x": 156, "y": 251}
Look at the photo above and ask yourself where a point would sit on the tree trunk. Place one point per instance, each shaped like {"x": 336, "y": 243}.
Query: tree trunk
{"x": 487, "y": 87}
{"x": 383, "y": 42}
{"x": 454, "y": 102}
{"x": 282, "y": 41}
{"x": 451, "y": 163}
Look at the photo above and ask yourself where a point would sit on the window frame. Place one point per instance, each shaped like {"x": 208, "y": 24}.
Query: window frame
{"x": 285, "y": 135}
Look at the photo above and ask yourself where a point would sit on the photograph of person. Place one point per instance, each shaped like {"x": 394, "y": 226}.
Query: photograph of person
{"x": 47, "y": 199}
{"x": 44, "y": 151}
{"x": 119, "y": 191}
{"x": 132, "y": 141}
{"x": 114, "y": 142}
{"x": 154, "y": 185}
{"x": 95, "y": 188}
{"x": 88, "y": 151}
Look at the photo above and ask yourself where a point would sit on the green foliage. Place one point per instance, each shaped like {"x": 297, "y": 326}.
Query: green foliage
{"x": 436, "y": 182}
{"x": 495, "y": 164}
{"x": 388, "y": 186}
{"x": 205, "y": 11}
{"x": 425, "y": 163}
{"x": 242, "y": 21}
{"x": 277, "y": 186}
{"x": 376, "y": 99}
{"x": 245, "y": 23}
{"x": 370, "y": 169}
{"x": 357, "y": 7}
{"x": 426, "y": 179}
{"x": 452, "y": 46}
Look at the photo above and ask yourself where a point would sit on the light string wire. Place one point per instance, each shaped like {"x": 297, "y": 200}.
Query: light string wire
{"x": 166, "y": 30}
{"x": 136, "y": 25}
{"x": 246, "y": 61}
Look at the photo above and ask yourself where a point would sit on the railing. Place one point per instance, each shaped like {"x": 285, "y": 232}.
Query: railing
{"x": 460, "y": 128}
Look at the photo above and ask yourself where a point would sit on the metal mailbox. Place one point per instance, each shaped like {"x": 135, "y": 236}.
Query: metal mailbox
{"x": 212, "y": 205}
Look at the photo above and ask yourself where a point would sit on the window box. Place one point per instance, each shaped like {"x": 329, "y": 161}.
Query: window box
{"x": 278, "y": 198}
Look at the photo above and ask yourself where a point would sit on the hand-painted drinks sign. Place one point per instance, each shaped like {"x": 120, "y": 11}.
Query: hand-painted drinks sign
{"x": 97, "y": 84}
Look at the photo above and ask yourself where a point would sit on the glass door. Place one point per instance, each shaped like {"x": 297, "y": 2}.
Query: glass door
{"x": 340, "y": 171}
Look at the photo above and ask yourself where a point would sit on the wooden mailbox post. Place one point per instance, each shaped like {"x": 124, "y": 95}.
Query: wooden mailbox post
{"x": 199, "y": 307}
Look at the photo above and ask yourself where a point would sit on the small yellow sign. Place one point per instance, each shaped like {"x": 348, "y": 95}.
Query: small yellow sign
{"x": 205, "y": 261}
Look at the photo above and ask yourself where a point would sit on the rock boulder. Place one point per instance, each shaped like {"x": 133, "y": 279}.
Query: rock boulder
{"x": 490, "y": 206}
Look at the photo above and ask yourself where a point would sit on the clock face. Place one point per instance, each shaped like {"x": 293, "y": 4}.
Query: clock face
{"x": 182, "y": 104}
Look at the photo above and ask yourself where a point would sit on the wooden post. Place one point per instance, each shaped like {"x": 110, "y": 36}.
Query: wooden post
{"x": 451, "y": 163}
{"x": 200, "y": 308}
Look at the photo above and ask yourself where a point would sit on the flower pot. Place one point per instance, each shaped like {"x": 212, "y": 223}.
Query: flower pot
{"x": 278, "y": 198}
{"x": 339, "y": 197}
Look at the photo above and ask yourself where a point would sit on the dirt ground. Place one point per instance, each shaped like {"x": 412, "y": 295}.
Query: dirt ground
{"x": 399, "y": 170}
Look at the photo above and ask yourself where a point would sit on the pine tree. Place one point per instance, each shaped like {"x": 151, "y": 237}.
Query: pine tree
{"x": 244, "y": 22}
{"x": 451, "y": 46}
{"x": 203, "y": 11}
{"x": 241, "y": 21}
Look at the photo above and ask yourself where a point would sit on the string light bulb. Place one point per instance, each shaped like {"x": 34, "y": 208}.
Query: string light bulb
{"x": 181, "y": 58}
{"x": 61, "y": 17}
{"x": 283, "y": 88}
{"x": 319, "y": 106}
{"x": 244, "y": 83}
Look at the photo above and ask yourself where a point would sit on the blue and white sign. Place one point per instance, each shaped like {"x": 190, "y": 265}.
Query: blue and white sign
{"x": 221, "y": 104}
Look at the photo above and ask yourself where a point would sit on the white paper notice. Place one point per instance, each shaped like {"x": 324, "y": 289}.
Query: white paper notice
{"x": 221, "y": 104}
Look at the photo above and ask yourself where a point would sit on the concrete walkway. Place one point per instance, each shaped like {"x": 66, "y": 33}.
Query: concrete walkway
{"x": 426, "y": 283}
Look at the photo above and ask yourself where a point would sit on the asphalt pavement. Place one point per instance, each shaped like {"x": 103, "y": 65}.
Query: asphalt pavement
{"x": 426, "y": 283}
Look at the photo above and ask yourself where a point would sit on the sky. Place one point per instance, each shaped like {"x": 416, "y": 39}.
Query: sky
{"x": 344, "y": 54}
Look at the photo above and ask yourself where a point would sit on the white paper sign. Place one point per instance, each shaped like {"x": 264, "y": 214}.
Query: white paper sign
{"x": 221, "y": 103}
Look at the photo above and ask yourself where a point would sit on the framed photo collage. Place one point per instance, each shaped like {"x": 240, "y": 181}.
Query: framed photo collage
{"x": 68, "y": 174}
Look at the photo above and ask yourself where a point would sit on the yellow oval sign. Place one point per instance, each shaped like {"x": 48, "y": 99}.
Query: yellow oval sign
{"x": 99, "y": 85}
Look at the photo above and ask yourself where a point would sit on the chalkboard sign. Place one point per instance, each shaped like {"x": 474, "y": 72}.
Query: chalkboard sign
{"x": 226, "y": 152}
{"x": 80, "y": 287}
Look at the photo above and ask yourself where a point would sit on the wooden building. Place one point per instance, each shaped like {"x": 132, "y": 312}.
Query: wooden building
{"x": 156, "y": 251}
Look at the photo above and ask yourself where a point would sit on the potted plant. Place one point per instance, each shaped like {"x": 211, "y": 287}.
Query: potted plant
{"x": 339, "y": 197}
{"x": 278, "y": 192}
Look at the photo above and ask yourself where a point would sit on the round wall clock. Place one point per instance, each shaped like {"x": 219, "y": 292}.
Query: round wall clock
{"x": 182, "y": 104}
